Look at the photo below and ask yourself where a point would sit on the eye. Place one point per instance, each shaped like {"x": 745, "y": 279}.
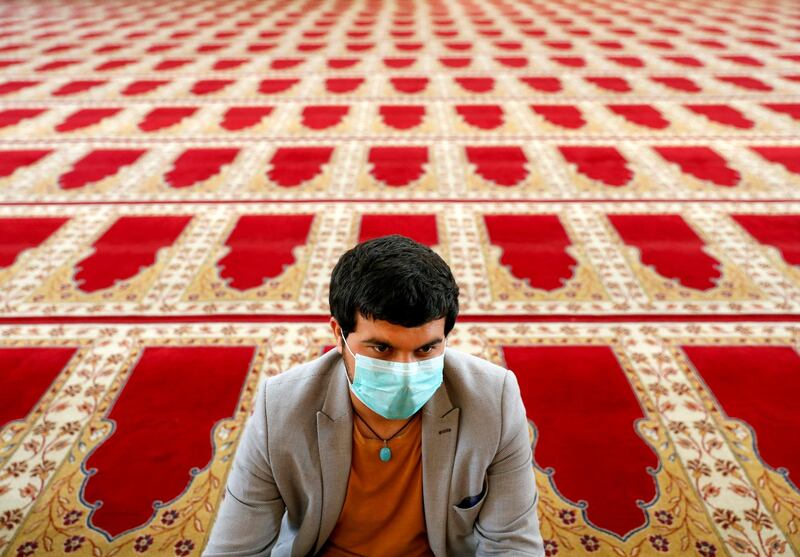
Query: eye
{"x": 426, "y": 350}
{"x": 380, "y": 348}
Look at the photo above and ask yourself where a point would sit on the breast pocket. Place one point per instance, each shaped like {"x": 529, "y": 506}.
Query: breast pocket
{"x": 465, "y": 512}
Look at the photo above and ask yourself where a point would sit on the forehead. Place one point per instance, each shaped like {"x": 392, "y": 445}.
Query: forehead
{"x": 397, "y": 334}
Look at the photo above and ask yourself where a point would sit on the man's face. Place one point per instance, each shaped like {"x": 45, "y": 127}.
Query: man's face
{"x": 387, "y": 341}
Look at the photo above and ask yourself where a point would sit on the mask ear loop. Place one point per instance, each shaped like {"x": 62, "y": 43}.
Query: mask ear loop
{"x": 347, "y": 375}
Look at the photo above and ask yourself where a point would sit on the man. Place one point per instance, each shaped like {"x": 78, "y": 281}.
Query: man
{"x": 392, "y": 444}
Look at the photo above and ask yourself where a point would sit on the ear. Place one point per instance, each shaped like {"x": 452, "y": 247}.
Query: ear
{"x": 337, "y": 334}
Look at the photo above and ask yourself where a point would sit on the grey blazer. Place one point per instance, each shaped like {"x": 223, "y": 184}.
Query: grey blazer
{"x": 288, "y": 480}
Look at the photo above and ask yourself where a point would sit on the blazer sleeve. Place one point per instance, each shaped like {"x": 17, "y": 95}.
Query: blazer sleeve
{"x": 508, "y": 523}
{"x": 249, "y": 518}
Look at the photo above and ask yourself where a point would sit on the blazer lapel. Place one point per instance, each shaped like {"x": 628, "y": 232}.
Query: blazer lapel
{"x": 439, "y": 435}
{"x": 335, "y": 439}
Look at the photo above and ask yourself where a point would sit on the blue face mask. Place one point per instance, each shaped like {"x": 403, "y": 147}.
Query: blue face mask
{"x": 395, "y": 390}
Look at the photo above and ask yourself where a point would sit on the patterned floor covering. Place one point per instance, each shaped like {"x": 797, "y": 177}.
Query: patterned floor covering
{"x": 614, "y": 184}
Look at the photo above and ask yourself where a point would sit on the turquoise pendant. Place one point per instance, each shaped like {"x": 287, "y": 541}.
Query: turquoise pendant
{"x": 386, "y": 454}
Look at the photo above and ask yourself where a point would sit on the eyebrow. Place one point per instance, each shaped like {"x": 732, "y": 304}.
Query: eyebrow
{"x": 374, "y": 340}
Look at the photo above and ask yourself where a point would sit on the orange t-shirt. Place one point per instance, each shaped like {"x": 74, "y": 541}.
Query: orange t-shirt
{"x": 383, "y": 510}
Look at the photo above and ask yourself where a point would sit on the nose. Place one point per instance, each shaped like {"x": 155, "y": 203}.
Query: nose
{"x": 404, "y": 358}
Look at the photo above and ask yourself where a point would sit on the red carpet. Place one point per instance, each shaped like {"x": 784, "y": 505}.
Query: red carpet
{"x": 614, "y": 184}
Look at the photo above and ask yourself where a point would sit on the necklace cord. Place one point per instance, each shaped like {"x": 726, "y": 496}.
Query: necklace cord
{"x": 385, "y": 441}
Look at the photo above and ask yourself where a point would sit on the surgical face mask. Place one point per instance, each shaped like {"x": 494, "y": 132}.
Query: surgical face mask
{"x": 395, "y": 390}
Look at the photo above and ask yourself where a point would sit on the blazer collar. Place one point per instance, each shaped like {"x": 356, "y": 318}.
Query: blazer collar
{"x": 440, "y": 420}
{"x": 335, "y": 442}
{"x": 337, "y": 400}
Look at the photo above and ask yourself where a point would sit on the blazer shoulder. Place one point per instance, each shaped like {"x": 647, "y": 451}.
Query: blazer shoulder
{"x": 465, "y": 362}
{"x": 302, "y": 384}
{"x": 472, "y": 377}
{"x": 307, "y": 370}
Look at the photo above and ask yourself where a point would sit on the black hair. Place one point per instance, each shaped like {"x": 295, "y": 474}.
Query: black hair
{"x": 396, "y": 279}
